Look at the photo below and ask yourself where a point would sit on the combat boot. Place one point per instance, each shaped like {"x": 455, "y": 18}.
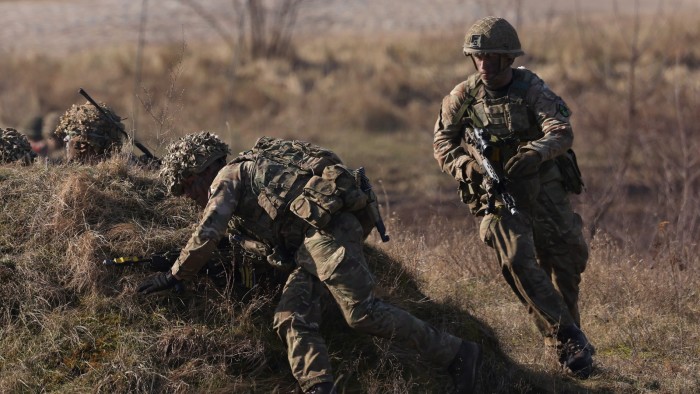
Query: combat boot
{"x": 464, "y": 368}
{"x": 575, "y": 353}
{"x": 322, "y": 388}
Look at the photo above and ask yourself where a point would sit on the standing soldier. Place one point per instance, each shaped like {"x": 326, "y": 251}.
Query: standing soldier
{"x": 89, "y": 135}
{"x": 526, "y": 138}
{"x": 310, "y": 213}
{"x": 15, "y": 147}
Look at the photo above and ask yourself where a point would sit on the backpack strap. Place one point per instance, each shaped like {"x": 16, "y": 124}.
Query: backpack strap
{"x": 474, "y": 83}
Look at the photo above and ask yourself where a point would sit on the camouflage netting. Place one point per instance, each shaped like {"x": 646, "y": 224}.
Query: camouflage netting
{"x": 14, "y": 146}
{"x": 190, "y": 155}
{"x": 87, "y": 122}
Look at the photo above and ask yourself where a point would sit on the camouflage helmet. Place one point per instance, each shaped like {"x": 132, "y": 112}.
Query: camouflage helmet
{"x": 84, "y": 123}
{"x": 492, "y": 35}
{"x": 14, "y": 146}
{"x": 189, "y": 156}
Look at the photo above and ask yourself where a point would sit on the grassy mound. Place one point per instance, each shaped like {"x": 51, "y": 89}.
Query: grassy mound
{"x": 71, "y": 324}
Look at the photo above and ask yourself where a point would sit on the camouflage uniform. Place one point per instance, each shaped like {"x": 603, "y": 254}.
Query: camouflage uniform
{"x": 88, "y": 134}
{"x": 541, "y": 250}
{"x": 15, "y": 147}
{"x": 191, "y": 155}
{"x": 254, "y": 191}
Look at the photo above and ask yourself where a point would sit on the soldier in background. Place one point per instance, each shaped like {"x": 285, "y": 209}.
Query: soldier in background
{"x": 32, "y": 129}
{"x": 309, "y": 214}
{"x": 89, "y": 136}
{"x": 55, "y": 145}
{"x": 541, "y": 248}
{"x": 15, "y": 147}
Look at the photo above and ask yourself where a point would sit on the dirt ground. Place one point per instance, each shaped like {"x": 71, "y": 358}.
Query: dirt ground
{"x": 64, "y": 26}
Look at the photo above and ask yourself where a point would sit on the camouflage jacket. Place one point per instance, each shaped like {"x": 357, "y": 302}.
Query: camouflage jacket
{"x": 252, "y": 195}
{"x": 537, "y": 117}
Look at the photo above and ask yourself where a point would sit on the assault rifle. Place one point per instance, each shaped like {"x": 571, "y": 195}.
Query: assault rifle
{"x": 481, "y": 140}
{"x": 162, "y": 261}
{"x": 372, "y": 203}
{"x": 117, "y": 124}
{"x": 216, "y": 268}
{"x": 157, "y": 262}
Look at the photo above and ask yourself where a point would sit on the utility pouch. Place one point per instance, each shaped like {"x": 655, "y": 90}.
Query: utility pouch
{"x": 327, "y": 194}
{"x": 571, "y": 174}
{"x": 318, "y": 202}
{"x": 470, "y": 196}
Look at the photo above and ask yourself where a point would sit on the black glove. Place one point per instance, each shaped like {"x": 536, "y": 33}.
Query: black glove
{"x": 162, "y": 262}
{"x": 158, "y": 282}
{"x": 523, "y": 163}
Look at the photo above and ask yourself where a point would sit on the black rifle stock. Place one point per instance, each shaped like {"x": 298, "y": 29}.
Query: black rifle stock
{"x": 117, "y": 124}
{"x": 480, "y": 140}
{"x": 373, "y": 204}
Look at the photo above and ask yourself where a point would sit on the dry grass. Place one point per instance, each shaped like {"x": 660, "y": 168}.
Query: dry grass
{"x": 69, "y": 324}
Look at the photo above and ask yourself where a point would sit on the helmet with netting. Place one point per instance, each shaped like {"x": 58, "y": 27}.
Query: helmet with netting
{"x": 86, "y": 124}
{"x": 492, "y": 35}
{"x": 14, "y": 146}
{"x": 189, "y": 156}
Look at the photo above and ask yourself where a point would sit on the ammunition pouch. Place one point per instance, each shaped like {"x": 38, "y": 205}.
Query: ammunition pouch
{"x": 473, "y": 197}
{"x": 336, "y": 189}
{"x": 570, "y": 172}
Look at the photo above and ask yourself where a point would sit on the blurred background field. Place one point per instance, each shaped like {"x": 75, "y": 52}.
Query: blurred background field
{"x": 365, "y": 79}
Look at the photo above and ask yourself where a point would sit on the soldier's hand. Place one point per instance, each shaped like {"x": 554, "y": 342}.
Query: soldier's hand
{"x": 158, "y": 282}
{"x": 474, "y": 172}
{"x": 160, "y": 263}
{"x": 523, "y": 163}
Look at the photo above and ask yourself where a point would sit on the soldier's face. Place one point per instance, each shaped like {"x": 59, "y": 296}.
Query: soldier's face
{"x": 81, "y": 151}
{"x": 196, "y": 188}
{"x": 494, "y": 69}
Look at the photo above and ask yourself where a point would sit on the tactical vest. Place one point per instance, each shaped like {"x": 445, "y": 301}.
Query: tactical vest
{"x": 294, "y": 185}
{"x": 506, "y": 118}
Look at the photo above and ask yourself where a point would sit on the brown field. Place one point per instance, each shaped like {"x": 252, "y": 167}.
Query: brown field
{"x": 69, "y": 324}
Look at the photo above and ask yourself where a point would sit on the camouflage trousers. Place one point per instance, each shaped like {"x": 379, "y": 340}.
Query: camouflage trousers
{"x": 542, "y": 253}
{"x": 333, "y": 259}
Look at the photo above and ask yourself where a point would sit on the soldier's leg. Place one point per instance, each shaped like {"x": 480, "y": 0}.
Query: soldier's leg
{"x": 296, "y": 321}
{"x": 512, "y": 239}
{"x": 561, "y": 246}
{"x": 336, "y": 256}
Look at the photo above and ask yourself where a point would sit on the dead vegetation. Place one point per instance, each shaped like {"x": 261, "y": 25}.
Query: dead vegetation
{"x": 69, "y": 324}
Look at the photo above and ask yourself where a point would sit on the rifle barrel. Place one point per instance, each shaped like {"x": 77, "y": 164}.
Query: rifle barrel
{"x": 116, "y": 124}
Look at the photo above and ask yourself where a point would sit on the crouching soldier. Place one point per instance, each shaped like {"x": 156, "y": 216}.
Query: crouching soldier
{"x": 89, "y": 135}
{"x": 237, "y": 260}
{"x": 311, "y": 214}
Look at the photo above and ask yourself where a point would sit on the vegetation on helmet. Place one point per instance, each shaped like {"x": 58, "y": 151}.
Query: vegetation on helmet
{"x": 14, "y": 146}
{"x": 89, "y": 133}
{"x": 492, "y": 35}
{"x": 189, "y": 156}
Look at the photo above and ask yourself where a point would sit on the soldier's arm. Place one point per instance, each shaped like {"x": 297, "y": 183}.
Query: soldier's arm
{"x": 225, "y": 193}
{"x": 552, "y": 114}
{"x": 447, "y": 137}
